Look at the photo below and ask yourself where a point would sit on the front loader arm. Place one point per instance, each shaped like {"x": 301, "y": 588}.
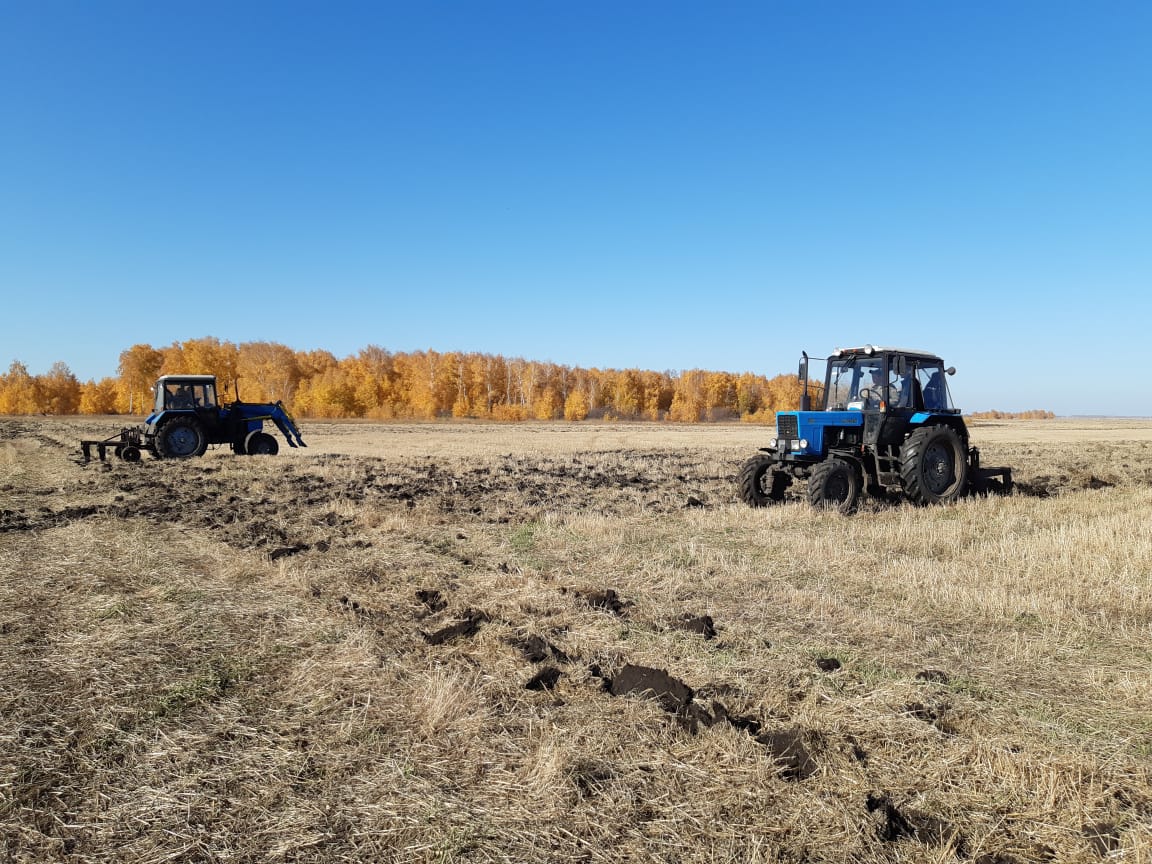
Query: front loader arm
{"x": 287, "y": 425}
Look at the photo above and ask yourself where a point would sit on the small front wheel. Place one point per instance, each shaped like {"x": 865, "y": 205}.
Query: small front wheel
{"x": 759, "y": 484}
{"x": 260, "y": 444}
{"x": 835, "y": 485}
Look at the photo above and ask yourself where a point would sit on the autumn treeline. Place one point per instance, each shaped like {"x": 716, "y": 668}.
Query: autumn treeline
{"x": 379, "y": 384}
{"x": 1035, "y": 414}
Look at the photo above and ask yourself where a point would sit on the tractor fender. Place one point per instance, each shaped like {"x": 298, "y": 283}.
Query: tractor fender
{"x": 850, "y": 456}
{"x": 929, "y": 418}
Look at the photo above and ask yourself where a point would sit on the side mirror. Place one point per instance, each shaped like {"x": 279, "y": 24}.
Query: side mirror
{"x": 951, "y": 370}
{"x": 901, "y": 366}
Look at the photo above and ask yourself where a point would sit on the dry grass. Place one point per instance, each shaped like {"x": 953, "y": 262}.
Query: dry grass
{"x": 228, "y": 660}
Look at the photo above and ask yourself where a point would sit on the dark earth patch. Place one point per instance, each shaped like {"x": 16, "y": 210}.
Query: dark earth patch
{"x": 746, "y": 724}
{"x": 672, "y": 694}
{"x": 1103, "y": 838}
{"x": 702, "y": 624}
{"x": 608, "y": 600}
{"x": 469, "y": 626}
{"x": 286, "y": 551}
{"x": 432, "y": 599}
{"x": 893, "y": 823}
{"x": 537, "y": 649}
{"x": 932, "y": 676}
{"x": 938, "y": 714}
{"x": 788, "y": 750}
{"x": 545, "y": 679}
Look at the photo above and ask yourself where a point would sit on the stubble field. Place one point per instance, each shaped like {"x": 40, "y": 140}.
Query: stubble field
{"x": 569, "y": 642}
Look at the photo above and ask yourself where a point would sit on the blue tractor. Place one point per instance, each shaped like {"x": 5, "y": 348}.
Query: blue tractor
{"x": 186, "y": 420}
{"x": 882, "y": 421}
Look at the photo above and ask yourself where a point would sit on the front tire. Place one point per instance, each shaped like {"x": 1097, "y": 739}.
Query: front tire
{"x": 758, "y": 485}
{"x": 835, "y": 484}
{"x": 934, "y": 465}
{"x": 181, "y": 438}
{"x": 261, "y": 444}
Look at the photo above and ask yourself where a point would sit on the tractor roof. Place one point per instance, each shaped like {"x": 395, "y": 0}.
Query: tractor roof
{"x": 186, "y": 379}
{"x": 880, "y": 349}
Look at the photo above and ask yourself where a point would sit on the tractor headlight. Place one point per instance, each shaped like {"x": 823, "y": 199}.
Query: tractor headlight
{"x": 773, "y": 443}
{"x": 803, "y": 443}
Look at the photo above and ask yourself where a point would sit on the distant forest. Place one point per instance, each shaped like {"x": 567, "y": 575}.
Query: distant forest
{"x": 420, "y": 385}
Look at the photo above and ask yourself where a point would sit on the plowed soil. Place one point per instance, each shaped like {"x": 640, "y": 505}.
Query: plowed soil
{"x": 473, "y": 642}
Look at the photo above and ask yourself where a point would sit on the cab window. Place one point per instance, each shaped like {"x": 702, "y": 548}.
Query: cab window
{"x": 933, "y": 388}
{"x": 185, "y": 397}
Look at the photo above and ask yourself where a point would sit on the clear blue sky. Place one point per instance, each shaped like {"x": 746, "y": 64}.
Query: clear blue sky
{"x": 666, "y": 185}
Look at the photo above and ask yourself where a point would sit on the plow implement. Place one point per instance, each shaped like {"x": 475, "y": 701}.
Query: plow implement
{"x": 127, "y": 444}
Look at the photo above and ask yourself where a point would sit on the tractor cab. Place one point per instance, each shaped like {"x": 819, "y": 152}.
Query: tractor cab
{"x": 862, "y": 379}
{"x": 185, "y": 393}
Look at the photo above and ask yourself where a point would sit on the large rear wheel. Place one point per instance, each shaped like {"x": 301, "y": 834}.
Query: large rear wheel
{"x": 835, "y": 484}
{"x": 180, "y": 438}
{"x": 934, "y": 465}
{"x": 759, "y": 485}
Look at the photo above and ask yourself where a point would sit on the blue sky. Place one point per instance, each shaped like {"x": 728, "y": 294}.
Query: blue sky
{"x": 663, "y": 185}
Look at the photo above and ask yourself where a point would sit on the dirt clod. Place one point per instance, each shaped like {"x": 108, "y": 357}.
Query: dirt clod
{"x": 537, "y": 649}
{"x": 747, "y": 724}
{"x": 468, "y": 627}
{"x": 702, "y": 624}
{"x": 608, "y": 600}
{"x": 1103, "y": 838}
{"x": 938, "y": 714}
{"x": 286, "y": 551}
{"x": 672, "y": 694}
{"x": 892, "y": 824}
{"x": 788, "y": 750}
{"x": 432, "y": 599}
{"x": 545, "y": 679}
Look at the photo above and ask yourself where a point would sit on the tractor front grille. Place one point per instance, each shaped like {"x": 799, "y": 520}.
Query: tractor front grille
{"x": 786, "y": 427}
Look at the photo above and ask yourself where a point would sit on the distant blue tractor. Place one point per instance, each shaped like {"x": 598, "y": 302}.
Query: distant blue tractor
{"x": 186, "y": 420}
{"x": 883, "y": 421}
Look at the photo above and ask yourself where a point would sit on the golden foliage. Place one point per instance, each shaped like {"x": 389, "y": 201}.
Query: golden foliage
{"x": 20, "y": 393}
{"x": 420, "y": 385}
{"x": 576, "y": 406}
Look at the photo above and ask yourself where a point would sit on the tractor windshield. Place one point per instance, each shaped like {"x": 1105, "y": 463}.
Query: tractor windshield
{"x": 855, "y": 383}
{"x": 186, "y": 396}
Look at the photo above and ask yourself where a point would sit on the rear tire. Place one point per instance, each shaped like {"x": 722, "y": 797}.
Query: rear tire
{"x": 261, "y": 444}
{"x": 181, "y": 438}
{"x": 758, "y": 485}
{"x": 934, "y": 465}
{"x": 835, "y": 484}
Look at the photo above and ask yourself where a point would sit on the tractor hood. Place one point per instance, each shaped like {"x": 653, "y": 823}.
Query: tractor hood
{"x": 802, "y": 432}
